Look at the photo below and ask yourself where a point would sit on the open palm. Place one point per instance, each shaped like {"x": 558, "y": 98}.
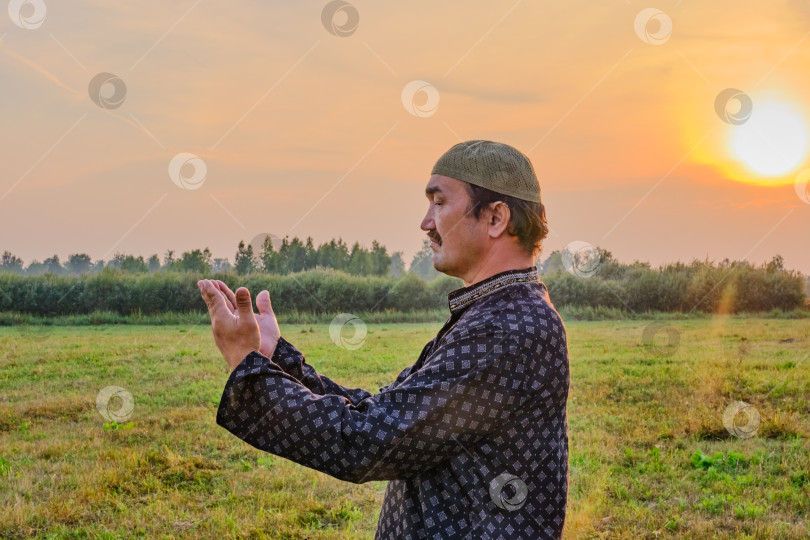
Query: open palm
{"x": 268, "y": 325}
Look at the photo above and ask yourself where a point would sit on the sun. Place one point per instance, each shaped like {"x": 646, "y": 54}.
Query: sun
{"x": 773, "y": 141}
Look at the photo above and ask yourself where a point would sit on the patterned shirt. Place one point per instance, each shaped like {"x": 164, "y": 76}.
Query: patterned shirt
{"x": 473, "y": 437}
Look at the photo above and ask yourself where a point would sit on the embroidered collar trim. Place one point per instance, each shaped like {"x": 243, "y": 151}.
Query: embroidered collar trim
{"x": 459, "y": 299}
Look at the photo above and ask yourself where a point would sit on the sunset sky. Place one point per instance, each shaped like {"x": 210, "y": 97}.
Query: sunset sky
{"x": 306, "y": 133}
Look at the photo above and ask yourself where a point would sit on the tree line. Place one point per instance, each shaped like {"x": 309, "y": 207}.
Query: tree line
{"x": 268, "y": 255}
{"x": 699, "y": 286}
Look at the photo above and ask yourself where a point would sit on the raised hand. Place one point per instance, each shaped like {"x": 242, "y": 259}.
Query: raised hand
{"x": 236, "y": 331}
{"x": 268, "y": 325}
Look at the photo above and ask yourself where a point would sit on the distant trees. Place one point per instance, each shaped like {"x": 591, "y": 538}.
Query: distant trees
{"x": 397, "y": 267}
{"x": 282, "y": 257}
{"x": 36, "y": 268}
{"x": 165, "y": 292}
{"x": 380, "y": 261}
{"x": 153, "y": 264}
{"x": 725, "y": 287}
{"x": 128, "y": 263}
{"x": 10, "y": 263}
{"x": 334, "y": 255}
{"x": 636, "y": 286}
{"x": 194, "y": 261}
{"x": 221, "y": 265}
{"x": 78, "y": 263}
{"x": 199, "y": 261}
{"x": 297, "y": 256}
{"x": 699, "y": 286}
{"x": 243, "y": 261}
{"x": 168, "y": 258}
{"x": 132, "y": 283}
{"x": 52, "y": 265}
{"x": 422, "y": 263}
{"x": 552, "y": 264}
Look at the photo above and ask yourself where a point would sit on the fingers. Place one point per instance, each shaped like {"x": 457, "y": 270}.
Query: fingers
{"x": 227, "y": 301}
{"x": 263, "y": 303}
{"x": 229, "y": 296}
{"x": 206, "y": 296}
{"x": 214, "y": 299}
{"x": 244, "y": 306}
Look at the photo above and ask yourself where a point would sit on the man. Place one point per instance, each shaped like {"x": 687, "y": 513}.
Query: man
{"x": 473, "y": 436}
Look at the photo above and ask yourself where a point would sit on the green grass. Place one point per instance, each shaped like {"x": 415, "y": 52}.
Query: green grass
{"x": 649, "y": 454}
{"x": 28, "y": 324}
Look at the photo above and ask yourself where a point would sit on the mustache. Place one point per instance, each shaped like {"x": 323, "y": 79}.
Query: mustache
{"x": 435, "y": 238}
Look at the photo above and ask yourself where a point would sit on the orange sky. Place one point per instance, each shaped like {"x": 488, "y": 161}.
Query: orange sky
{"x": 305, "y": 133}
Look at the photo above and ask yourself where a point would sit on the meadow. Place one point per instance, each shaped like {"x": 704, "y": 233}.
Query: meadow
{"x": 650, "y": 455}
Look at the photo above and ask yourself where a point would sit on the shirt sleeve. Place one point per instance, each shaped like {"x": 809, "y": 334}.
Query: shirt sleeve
{"x": 293, "y": 362}
{"x": 463, "y": 391}
{"x": 410, "y": 369}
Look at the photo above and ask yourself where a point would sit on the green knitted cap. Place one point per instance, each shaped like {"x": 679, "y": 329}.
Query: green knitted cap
{"x": 492, "y": 165}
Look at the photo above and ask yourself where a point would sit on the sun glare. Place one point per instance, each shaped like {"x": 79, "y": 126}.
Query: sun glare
{"x": 773, "y": 141}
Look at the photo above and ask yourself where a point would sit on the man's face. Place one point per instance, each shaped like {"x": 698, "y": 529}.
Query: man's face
{"x": 458, "y": 239}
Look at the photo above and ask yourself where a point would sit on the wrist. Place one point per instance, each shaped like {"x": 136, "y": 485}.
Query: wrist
{"x": 267, "y": 349}
{"x": 238, "y": 357}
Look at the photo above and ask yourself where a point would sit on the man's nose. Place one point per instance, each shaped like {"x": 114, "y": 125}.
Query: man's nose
{"x": 427, "y": 222}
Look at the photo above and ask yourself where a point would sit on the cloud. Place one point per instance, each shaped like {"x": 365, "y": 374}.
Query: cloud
{"x": 77, "y": 95}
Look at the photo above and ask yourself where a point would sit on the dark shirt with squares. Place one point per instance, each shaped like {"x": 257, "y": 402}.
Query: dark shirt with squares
{"x": 473, "y": 437}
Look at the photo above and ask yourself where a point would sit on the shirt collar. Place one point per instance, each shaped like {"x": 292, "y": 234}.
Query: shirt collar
{"x": 459, "y": 299}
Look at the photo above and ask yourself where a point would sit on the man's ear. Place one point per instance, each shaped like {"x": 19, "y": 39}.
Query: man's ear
{"x": 498, "y": 218}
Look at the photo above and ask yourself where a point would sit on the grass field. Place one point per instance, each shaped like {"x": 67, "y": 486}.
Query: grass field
{"x": 649, "y": 454}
